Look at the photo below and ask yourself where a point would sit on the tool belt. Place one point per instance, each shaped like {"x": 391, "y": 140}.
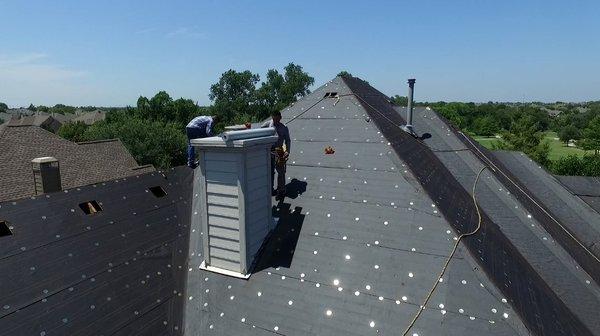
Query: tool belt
{"x": 281, "y": 156}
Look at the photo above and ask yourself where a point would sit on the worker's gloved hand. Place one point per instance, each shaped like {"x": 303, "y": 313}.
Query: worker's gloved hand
{"x": 286, "y": 155}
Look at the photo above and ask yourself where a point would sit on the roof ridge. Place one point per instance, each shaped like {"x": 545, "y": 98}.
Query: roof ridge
{"x": 98, "y": 141}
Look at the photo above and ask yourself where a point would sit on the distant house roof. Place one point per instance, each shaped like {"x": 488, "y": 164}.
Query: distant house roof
{"x": 90, "y": 117}
{"x": 5, "y": 116}
{"x": 63, "y": 118}
{"x": 40, "y": 120}
{"x": 20, "y": 111}
{"x": 551, "y": 112}
{"x": 80, "y": 164}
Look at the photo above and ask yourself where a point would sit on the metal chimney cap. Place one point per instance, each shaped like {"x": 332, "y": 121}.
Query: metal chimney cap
{"x": 44, "y": 159}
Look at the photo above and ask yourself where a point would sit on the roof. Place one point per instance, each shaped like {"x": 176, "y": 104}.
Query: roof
{"x": 536, "y": 237}
{"x": 63, "y": 118}
{"x": 587, "y": 188}
{"x": 80, "y": 164}
{"x": 90, "y": 117}
{"x": 20, "y": 111}
{"x": 117, "y": 272}
{"x": 361, "y": 238}
{"x": 40, "y": 120}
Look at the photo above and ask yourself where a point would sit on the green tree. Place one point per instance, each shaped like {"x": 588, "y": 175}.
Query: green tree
{"x": 400, "y": 100}
{"x": 162, "y": 144}
{"x": 569, "y": 132}
{"x": 62, "y": 109}
{"x": 486, "y": 126}
{"x": 43, "y": 108}
{"x": 162, "y": 107}
{"x": 344, "y": 74}
{"x": 591, "y": 165}
{"x": 567, "y": 165}
{"x": 591, "y": 135}
{"x": 526, "y": 135}
{"x": 3, "y": 107}
{"x": 279, "y": 91}
{"x": 31, "y": 107}
{"x": 183, "y": 110}
{"x": 296, "y": 84}
{"x": 452, "y": 112}
{"x": 233, "y": 94}
{"x": 73, "y": 131}
{"x": 269, "y": 96}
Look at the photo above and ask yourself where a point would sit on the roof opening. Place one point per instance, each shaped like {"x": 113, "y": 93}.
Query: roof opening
{"x": 90, "y": 207}
{"x": 4, "y": 229}
{"x": 331, "y": 95}
{"x": 158, "y": 191}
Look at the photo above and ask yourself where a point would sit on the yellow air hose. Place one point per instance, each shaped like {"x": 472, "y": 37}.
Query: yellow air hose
{"x": 437, "y": 281}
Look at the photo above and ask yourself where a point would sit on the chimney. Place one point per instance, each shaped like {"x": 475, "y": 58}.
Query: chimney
{"x": 46, "y": 175}
{"x": 409, "y": 108}
{"x": 232, "y": 202}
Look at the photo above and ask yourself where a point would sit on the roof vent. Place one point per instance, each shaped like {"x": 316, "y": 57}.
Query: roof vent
{"x": 4, "y": 229}
{"x": 331, "y": 95}
{"x": 409, "y": 108}
{"x": 158, "y": 191}
{"x": 234, "y": 206}
{"x": 90, "y": 207}
{"x": 46, "y": 175}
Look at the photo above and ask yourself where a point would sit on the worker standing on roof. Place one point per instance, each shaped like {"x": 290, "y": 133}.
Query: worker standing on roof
{"x": 199, "y": 127}
{"x": 279, "y": 153}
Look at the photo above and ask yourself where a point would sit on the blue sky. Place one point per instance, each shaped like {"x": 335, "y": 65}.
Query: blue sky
{"x": 110, "y": 52}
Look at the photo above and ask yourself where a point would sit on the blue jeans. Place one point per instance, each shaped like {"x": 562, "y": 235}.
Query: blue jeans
{"x": 193, "y": 133}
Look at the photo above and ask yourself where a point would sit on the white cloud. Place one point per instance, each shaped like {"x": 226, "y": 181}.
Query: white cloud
{"x": 32, "y": 78}
{"x": 186, "y": 32}
{"x": 145, "y": 31}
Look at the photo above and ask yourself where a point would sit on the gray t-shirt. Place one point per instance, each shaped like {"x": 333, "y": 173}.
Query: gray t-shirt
{"x": 282, "y": 132}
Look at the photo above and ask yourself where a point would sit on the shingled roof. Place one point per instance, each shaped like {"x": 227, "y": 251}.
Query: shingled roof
{"x": 91, "y": 117}
{"x": 40, "y": 120}
{"x": 80, "y": 163}
{"x": 361, "y": 238}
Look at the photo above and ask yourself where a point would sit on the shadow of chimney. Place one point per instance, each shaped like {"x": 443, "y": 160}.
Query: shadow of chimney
{"x": 281, "y": 245}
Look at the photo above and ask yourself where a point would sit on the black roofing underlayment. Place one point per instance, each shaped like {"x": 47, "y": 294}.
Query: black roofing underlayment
{"x": 557, "y": 268}
{"x": 544, "y": 215}
{"x": 586, "y": 187}
{"x": 543, "y": 312}
{"x": 357, "y": 248}
{"x": 576, "y": 216}
{"x": 359, "y": 243}
{"x": 119, "y": 271}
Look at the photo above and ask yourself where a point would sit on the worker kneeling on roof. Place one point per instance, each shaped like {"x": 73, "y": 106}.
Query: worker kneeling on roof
{"x": 279, "y": 153}
{"x": 199, "y": 127}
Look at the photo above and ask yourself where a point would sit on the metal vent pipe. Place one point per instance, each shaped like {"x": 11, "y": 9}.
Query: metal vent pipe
{"x": 408, "y": 128}
{"x": 409, "y": 108}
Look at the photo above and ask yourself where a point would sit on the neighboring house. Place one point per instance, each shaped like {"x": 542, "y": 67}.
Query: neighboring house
{"x": 80, "y": 163}
{"x": 42, "y": 120}
{"x": 63, "y": 118}
{"x": 90, "y": 118}
{"x": 15, "y": 113}
{"x": 551, "y": 112}
{"x": 5, "y": 116}
{"x": 361, "y": 238}
{"x": 18, "y": 112}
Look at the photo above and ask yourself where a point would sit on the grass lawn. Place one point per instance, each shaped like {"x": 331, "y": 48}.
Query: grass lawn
{"x": 557, "y": 148}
